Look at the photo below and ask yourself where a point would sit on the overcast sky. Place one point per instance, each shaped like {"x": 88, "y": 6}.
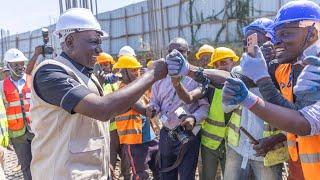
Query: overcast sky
{"x": 19, "y": 16}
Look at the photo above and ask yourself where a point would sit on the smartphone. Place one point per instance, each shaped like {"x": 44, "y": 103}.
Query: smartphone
{"x": 249, "y": 135}
{"x": 252, "y": 41}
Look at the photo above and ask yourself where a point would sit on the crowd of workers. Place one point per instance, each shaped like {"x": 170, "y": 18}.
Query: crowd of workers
{"x": 255, "y": 115}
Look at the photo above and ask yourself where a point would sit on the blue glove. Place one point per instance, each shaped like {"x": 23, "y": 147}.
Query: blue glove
{"x": 254, "y": 68}
{"x": 235, "y": 92}
{"x": 177, "y": 64}
{"x": 308, "y": 83}
{"x": 111, "y": 78}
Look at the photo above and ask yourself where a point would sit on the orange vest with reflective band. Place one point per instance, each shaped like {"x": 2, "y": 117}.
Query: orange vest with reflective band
{"x": 17, "y": 106}
{"x": 129, "y": 126}
{"x": 305, "y": 147}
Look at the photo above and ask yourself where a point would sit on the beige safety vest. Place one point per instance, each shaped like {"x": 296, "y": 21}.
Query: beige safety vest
{"x": 67, "y": 146}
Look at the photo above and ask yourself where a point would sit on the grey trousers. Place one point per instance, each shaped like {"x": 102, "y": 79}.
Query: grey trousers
{"x": 210, "y": 161}
{"x": 22, "y": 147}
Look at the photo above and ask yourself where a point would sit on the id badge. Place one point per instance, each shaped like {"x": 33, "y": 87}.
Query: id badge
{"x": 28, "y": 95}
{"x": 163, "y": 118}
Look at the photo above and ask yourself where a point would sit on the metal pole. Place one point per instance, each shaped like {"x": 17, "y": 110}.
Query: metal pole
{"x": 61, "y": 6}
{"x": 74, "y": 3}
{"x": 96, "y": 2}
{"x": 91, "y": 6}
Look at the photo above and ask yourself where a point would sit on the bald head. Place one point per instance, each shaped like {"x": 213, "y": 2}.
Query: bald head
{"x": 179, "y": 44}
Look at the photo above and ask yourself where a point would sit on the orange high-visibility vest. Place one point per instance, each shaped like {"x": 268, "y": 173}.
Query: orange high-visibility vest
{"x": 307, "y": 148}
{"x": 129, "y": 126}
{"x": 17, "y": 106}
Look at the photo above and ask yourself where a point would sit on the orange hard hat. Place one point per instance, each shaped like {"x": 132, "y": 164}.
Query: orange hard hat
{"x": 105, "y": 58}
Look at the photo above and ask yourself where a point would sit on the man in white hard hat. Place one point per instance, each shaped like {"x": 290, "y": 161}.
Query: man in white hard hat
{"x": 16, "y": 94}
{"x": 126, "y": 51}
{"x": 69, "y": 109}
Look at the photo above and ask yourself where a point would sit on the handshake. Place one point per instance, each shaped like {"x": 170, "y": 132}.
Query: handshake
{"x": 177, "y": 64}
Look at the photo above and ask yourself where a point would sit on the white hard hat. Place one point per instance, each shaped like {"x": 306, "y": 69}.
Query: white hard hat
{"x": 76, "y": 20}
{"x": 14, "y": 55}
{"x": 126, "y": 51}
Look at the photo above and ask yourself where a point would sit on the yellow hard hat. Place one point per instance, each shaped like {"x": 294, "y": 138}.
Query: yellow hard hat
{"x": 149, "y": 64}
{"x": 221, "y": 53}
{"x": 104, "y": 58}
{"x": 204, "y": 49}
{"x": 127, "y": 62}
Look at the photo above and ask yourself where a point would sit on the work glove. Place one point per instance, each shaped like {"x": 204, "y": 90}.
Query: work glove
{"x": 177, "y": 64}
{"x": 254, "y": 68}
{"x": 111, "y": 78}
{"x": 235, "y": 92}
{"x": 307, "y": 88}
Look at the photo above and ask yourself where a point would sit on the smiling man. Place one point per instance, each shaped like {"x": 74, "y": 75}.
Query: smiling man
{"x": 69, "y": 109}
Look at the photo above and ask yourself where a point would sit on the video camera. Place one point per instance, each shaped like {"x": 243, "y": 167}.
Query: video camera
{"x": 46, "y": 49}
{"x": 179, "y": 132}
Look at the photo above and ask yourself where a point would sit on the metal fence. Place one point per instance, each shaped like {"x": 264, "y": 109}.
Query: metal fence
{"x": 150, "y": 25}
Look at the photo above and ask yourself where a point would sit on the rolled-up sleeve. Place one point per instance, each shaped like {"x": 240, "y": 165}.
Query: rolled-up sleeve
{"x": 201, "y": 112}
{"x": 312, "y": 115}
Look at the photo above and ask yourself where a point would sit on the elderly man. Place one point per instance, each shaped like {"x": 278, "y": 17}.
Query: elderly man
{"x": 69, "y": 109}
{"x": 166, "y": 102}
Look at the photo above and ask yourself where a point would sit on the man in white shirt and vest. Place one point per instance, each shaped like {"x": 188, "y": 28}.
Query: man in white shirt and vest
{"x": 16, "y": 94}
{"x": 70, "y": 113}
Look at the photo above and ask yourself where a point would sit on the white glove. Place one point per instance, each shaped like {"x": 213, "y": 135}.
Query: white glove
{"x": 254, "y": 68}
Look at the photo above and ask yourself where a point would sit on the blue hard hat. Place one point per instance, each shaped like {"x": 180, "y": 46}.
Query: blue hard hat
{"x": 296, "y": 11}
{"x": 261, "y": 24}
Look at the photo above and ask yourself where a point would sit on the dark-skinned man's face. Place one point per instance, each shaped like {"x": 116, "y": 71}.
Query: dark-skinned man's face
{"x": 182, "y": 48}
{"x": 83, "y": 47}
{"x": 106, "y": 67}
{"x": 129, "y": 75}
{"x": 18, "y": 68}
{"x": 224, "y": 64}
{"x": 205, "y": 57}
{"x": 291, "y": 42}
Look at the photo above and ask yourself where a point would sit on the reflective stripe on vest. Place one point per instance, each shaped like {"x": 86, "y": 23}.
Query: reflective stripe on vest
{"x": 129, "y": 127}
{"x": 18, "y": 106}
{"x": 234, "y": 130}
{"x": 213, "y": 129}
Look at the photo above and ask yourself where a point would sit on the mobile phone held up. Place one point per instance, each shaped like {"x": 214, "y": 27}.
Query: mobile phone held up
{"x": 252, "y": 41}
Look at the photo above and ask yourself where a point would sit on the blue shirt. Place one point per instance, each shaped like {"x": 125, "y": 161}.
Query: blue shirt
{"x": 147, "y": 131}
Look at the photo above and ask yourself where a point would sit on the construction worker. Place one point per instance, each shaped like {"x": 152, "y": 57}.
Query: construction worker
{"x": 204, "y": 53}
{"x": 111, "y": 84}
{"x": 174, "y": 162}
{"x": 16, "y": 94}
{"x": 295, "y": 35}
{"x": 266, "y": 156}
{"x": 134, "y": 129}
{"x": 126, "y": 51}
{"x": 213, "y": 129}
{"x": 70, "y": 113}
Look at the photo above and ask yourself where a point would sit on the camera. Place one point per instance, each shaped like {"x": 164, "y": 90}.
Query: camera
{"x": 46, "y": 49}
{"x": 178, "y": 132}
